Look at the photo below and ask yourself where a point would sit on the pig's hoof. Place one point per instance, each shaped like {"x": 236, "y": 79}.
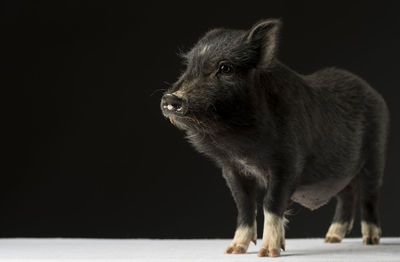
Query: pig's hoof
{"x": 371, "y": 233}
{"x": 371, "y": 240}
{"x": 273, "y": 236}
{"x": 236, "y": 249}
{"x": 265, "y": 252}
{"x": 271, "y": 252}
{"x": 336, "y": 232}
{"x": 241, "y": 240}
{"x": 332, "y": 239}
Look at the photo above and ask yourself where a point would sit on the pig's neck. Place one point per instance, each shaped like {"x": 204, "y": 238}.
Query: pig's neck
{"x": 280, "y": 75}
{"x": 283, "y": 84}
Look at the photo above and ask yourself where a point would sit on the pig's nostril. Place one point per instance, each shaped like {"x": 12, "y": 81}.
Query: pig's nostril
{"x": 173, "y": 104}
{"x": 173, "y": 107}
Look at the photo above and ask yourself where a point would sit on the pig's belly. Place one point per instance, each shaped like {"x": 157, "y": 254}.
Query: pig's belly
{"x": 315, "y": 195}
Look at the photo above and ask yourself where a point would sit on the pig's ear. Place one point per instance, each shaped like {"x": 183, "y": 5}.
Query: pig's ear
{"x": 264, "y": 37}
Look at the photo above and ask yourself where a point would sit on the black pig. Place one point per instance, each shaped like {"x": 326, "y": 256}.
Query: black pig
{"x": 302, "y": 138}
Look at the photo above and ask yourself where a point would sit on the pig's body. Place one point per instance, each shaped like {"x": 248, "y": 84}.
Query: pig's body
{"x": 305, "y": 138}
{"x": 327, "y": 123}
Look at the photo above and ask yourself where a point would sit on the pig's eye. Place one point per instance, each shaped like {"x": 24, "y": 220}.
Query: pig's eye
{"x": 225, "y": 69}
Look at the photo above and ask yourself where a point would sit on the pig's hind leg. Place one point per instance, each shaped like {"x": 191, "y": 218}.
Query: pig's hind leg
{"x": 372, "y": 174}
{"x": 343, "y": 219}
{"x": 243, "y": 188}
{"x": 370, "y": 182}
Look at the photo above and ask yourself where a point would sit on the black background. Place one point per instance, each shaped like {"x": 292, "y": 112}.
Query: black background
{"x": 88, "y": 153}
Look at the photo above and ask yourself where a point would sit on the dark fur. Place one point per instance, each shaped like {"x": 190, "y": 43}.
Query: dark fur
{"x": 269, "y": 127}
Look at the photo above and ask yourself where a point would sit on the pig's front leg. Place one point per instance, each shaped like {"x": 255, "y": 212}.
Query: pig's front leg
{"x": 275, "y": 204}
{"x": 243, "y": 188}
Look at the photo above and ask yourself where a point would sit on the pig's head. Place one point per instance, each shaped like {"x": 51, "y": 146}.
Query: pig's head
{"x": 216, "y": 88}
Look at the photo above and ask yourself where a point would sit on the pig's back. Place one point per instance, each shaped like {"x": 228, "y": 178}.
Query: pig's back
{"x": 342, "y": 85}
{"x": 345, "y": 97}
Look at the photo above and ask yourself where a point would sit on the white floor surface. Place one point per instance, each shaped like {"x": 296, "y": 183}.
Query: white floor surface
{"x": 189, "y": 250}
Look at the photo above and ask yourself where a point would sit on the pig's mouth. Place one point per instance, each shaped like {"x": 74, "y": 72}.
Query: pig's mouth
{"x": 176, "y": 109}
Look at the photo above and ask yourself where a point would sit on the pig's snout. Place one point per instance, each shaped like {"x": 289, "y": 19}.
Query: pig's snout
{"x": 173, "y": 105}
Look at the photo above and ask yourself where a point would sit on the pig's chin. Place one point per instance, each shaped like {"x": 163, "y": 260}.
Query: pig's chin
{"x": 185, "y": 122}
